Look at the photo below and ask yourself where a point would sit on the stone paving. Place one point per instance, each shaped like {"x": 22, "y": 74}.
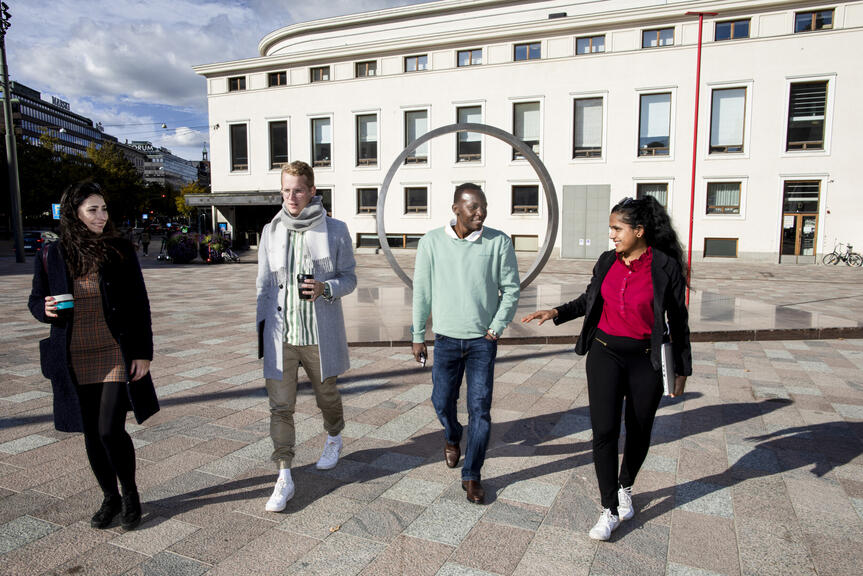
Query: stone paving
{"x": 757, "y": 470}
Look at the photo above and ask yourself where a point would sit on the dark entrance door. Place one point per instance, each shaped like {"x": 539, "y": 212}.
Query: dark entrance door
{"x": 800, "y": 221}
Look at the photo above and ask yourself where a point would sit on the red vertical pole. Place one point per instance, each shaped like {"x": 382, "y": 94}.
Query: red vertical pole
{"x": 694, "y": 149}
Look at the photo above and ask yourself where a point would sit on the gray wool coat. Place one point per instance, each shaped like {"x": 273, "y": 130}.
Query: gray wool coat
{"x": 337, "y": 269}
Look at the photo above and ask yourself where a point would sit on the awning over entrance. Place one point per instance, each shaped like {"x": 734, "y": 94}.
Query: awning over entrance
{"x": 260, "y": 198}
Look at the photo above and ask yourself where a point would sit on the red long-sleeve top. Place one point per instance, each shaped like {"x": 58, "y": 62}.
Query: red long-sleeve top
{"x": 627, "y": 293}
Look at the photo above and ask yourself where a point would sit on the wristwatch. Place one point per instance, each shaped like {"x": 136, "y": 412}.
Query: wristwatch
{"x": 327, "y": 292}
{"x": 492, "y": 333}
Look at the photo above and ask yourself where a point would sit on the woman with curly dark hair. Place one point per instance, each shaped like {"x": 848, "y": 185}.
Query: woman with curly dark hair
{"x": 88, "y": 286}
{"x": 633, "y": 304}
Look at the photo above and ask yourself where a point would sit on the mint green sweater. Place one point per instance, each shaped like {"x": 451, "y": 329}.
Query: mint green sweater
{"x": 468, "y": 287}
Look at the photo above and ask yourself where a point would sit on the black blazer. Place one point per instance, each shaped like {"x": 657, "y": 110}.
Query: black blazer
{"x": 127, "y": 313}
{"x": 669, "y": 289}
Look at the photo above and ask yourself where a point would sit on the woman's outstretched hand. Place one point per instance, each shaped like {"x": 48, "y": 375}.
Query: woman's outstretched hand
{"x": 543, "y": 315}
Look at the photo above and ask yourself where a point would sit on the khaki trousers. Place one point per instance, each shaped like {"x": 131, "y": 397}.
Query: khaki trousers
{"x": 283, "y": 400}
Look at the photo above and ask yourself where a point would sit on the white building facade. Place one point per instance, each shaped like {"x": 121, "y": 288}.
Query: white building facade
{"x": 603, "y": 91}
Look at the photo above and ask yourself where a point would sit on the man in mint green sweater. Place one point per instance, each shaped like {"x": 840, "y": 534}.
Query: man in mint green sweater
{"x": 467, "y": 277}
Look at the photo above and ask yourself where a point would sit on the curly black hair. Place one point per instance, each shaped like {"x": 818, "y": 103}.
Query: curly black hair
{"x": 659, "y": 233}
{"x": 85, "y": 250}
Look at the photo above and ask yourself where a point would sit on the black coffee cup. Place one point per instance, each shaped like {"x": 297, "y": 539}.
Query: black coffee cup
{"x": 301, "y": 278}
{"x": 65, "y": 305}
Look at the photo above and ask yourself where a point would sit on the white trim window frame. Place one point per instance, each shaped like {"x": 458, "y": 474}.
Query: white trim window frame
{"x": 469, "y": 136}
{"x": 421, "y": 157}
{"x": 575, "y": 96}
{"x": 540, "y": 198}
{"x": 654, "y": 125}
{"x": 707, "y": 123}
{"x": 416, "y": 215}
{"x": 365, "y": 164}
{"x": 366, "y": 213}
{"x": 743, "y": 181}
{"x": 248, "y": 169}
{"x": 321, "y": 163}
{"x": 287, "y": 121}
{"x": 831, "y": 80}
{"x": 532, "y": 131}
{"x": 668, "y": 181}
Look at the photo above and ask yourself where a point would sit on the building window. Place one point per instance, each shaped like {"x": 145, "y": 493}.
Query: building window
{"x": 416, "y": 200}
{"x": 367, "y": 200}
{"x": 239, "y": 148}
{"x": 366, "y": 69}
{"x": 416, "y": 63}
{"x": 277, "y": 79}
{"x": 723, "y": 198}
{"x": 525, "y": 199}
{"x": 278, "y": 144}
{"x": 367, "y": 140}
{"x": 526, "y": 123}
{"x": 320, "y": 74}
{"x": 416, "y": 124}
{"x": 236, "y": 83}
{"x": 731, "y": 30}
{"x": 470, "y": 57}
{"x": 590, "y": 44}
{"x": 321, "y": 142}
{"x": 525, "y": 243}
{"x": 720, "y": 247}
{"x": 657, "y": 37}
{"x": 811, "y": 21}
{"x": 326, "y": 195}
{"x": 654, "y": 137}
{"x": 727, "y": 119}
{"x": 530, "y": 51}
{"x": 658, "y": 190}
{"x": 469, "y": 144}
{"x": 587, "y": 128}
{"x": 806, "y": 113}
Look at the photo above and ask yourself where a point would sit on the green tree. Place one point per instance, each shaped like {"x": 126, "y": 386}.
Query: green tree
{"x": 123, "y": 185}
{"x": 180, "y": 200}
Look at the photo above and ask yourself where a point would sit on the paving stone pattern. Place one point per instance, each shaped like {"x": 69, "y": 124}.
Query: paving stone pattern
{"x": 758, "y": 470}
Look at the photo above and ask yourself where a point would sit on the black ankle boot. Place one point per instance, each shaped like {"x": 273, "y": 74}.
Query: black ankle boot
{"x": 107, "y": 511}
{"x": 131, "y": 515}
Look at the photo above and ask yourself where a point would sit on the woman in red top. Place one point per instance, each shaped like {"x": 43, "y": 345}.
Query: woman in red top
{"x": 634, "y": 303}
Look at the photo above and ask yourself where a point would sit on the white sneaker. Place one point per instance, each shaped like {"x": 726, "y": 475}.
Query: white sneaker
{"x": 283, "y": 492}
{"x": 624, "y": 503}
{"x": 330, "y": 457}
{"x": 607, "y": 524}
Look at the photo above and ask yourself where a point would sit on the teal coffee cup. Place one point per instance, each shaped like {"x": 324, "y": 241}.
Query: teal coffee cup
{"x": 65, "y": 305}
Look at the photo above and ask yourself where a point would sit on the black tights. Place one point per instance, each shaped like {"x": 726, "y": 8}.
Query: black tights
{"x": 109, "y": 447}
{"x": 619, "y": 367}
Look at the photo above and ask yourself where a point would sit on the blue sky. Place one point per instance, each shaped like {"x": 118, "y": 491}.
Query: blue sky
{"x": 128, "y": 64}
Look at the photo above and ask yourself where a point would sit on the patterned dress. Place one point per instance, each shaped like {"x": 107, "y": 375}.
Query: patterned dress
{"x": 96, "y": 356}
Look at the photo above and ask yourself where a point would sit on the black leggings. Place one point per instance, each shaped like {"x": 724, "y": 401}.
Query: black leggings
{"x": 619, "y": 367}
{"x": 109, "y": 447}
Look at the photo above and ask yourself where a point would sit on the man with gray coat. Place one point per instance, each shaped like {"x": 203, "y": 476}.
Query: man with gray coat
{"x": 305, "y": 265}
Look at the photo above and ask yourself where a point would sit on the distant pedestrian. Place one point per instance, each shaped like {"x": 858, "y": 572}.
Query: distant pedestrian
{"x": 145, "y": 241}
{"x": 99, "y": 351}
{"x": 305, "y": 266}
{"x": 466, "y": 276}
{"x": 635, "y": 288}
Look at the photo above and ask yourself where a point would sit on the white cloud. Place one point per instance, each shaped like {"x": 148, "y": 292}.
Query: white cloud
{"x": 104, "y": 55}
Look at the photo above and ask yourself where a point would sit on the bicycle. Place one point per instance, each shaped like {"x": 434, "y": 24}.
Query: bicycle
{"x": 229, "y": 255}
{"x": 850, "y": 258}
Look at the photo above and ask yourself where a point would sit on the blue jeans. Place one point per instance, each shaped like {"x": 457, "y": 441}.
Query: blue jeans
{"x": 452, "y": 358}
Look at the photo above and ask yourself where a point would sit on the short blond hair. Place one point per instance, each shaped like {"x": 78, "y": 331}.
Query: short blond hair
{"x": 300, "y": 168}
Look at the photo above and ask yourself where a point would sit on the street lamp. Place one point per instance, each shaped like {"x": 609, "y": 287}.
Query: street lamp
{"x": 701, "y": 16}
{"x": 11, "y": 150}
